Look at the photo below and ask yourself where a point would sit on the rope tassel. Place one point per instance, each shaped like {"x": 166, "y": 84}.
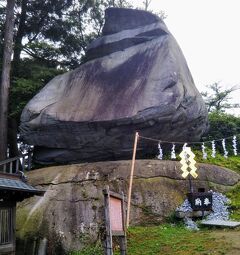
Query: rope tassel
{"x": 173, "y": 154}
{"x": 204, "y": 151}
{"x": 224, "y": 148}
{"x": 213, "y": 149}
{"x": 235, "y": 145}
{"x": 160, "y": 156}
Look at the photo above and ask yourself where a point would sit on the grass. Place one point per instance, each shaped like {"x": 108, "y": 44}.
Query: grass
{"x": 167, "y": 239}
{"x": 89, "y": 250}
{"x": 234, "y": 196}
{"x": 232, "y": 162}
{"x": 172, "y": 239}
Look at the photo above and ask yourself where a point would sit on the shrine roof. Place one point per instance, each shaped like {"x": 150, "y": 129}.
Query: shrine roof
{"x": 17, "y": 183}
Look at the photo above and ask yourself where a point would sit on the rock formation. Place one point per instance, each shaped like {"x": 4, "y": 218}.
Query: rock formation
{"x": 71, "y": 212}
{"x": 135, "y": 78}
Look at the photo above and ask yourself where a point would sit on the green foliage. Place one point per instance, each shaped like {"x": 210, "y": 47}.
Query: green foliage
{"x": 234, "y": 195}
{"x": 58, "y": 31}
{"x": 222, "y": 125}
{"x": 232, "y": 162}
{"x": 34, "y": 75}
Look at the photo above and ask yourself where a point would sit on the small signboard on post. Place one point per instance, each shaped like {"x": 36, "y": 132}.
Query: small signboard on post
{"x": 200, "y": 201}
{"x": 114, "y": 221}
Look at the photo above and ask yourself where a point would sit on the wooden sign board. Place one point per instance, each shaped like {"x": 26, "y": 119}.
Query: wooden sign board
{"x": 200, "y": 201}
{"x": 114, "y": 220}
{"x": 116, "y": 216}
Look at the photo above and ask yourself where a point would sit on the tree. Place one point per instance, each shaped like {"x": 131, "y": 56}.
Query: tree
{"x": 49, "y": 38}
{"x": 58, "y": 31}
{"x": 5, "y": 78}
{"x": 146, "y": 4}
{"x": 222, "y": 125}
{"x": 218, "y": 99}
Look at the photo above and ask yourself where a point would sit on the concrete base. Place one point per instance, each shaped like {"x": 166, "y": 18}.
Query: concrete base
{"x": 194, "y": 214}
{"x": 221, "y": 223}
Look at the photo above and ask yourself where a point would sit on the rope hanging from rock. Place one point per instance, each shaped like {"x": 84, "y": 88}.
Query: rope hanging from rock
{"x": 174, "y": 142}
{"x": 203, "y": 146}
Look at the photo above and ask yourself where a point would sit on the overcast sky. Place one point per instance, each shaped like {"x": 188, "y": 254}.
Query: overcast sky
{"x": 208, "y": 32}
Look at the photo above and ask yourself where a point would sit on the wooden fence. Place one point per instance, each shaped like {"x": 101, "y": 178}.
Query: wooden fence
{"x": 13, "y": 165}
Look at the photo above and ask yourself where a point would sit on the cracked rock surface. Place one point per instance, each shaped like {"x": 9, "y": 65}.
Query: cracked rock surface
{"x": 135, "y": 78}
{"x": 72, "y": 207}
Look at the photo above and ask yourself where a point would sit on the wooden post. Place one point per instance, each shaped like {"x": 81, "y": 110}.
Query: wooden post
{"x": 123, "y": 239}
{"x": 29, "y": 162}
{"x": 23, "y": 162}
{"x": 108, "y": 242}
{"x": 4, "y": 168}
{"x": 114, "y": 214}
{"x": 14, "y": 229}
{"x": 131, "y": 178}
{"x": 190, "y": 184}
{"x": 123, "y": 245}
{"x": 17, "y": 165}
{"x": 11, "y": 167}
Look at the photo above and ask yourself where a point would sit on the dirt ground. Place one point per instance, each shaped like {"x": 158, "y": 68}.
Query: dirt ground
{"x": 231, "y": 236}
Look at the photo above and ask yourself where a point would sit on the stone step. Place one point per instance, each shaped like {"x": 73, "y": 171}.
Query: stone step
{"x": 221, "y": 223}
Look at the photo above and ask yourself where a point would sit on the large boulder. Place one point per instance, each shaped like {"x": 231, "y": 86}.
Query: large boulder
{"x": 135, "y": 78}
{"x": 70, "y": 215}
